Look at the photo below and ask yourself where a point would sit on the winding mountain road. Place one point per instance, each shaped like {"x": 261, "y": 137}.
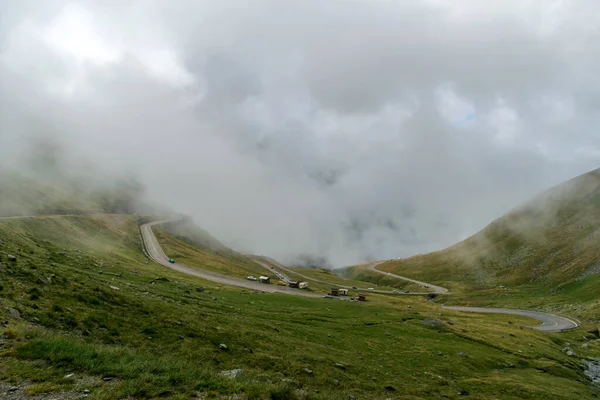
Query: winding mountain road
{"x": 156, "y": 253}
{"x": 310, "y": 278}
{"x": 550, "y": 322}
{"x": 436, "y": 289}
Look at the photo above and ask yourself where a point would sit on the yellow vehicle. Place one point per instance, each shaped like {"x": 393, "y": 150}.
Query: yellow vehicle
{"x": 281, "y": 283}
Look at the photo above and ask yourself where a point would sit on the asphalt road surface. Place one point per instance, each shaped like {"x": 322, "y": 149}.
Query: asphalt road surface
{"x": 156, "y": 253}
{"x": 309, "y": 278}
{"x": 550, "y": 322}
{"x": 435, "y": 289}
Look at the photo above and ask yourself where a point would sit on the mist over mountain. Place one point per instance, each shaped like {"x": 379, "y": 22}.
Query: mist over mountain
{"x": 329, "y": 133}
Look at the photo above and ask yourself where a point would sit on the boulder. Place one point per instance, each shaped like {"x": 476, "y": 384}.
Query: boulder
{"x": 43, "y": 280}
{"x": 232, "y": 373}
{"x": 568, "y": 351}
{"x": 433, "y": 322}
{"x": 11, "y": 258}
{"x": 13, "y": 312}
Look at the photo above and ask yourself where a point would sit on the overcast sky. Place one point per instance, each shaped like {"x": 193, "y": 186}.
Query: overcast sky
{"x": 347, "y": 130}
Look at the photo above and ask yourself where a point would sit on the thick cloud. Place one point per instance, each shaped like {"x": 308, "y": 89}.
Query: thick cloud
{"x": 341, "y": 130}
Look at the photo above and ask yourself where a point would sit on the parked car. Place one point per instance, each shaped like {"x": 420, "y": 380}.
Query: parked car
{"x": 171, "y": 261}
{"x": 252, "y": 278}
{"x": 370, "y": 288}
{"x": 281, "y": 283}
{"x": 354, "y": 287}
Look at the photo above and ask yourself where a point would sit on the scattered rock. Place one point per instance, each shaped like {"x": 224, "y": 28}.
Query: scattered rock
{"x": 181, "y": 337}
{"x": 13, "y": 313}
{"x": 568, "y": 351}
{"x": 249, "y": 350}
{"x": 336, "y": 382}
{"x": 69, "y": 376}
{"x": 161, "y": 279}
{"x": 86, "y": 391}
{"x": 107, "y": 378}
{"x": 43, "y": 281}
{"x": 223, "y": 346}
{"x": 387, "y": 334}
{"x": 12, "y": 388}
{"x": 292, "y": 382}
{"x": 114, "y": 288}
{"x": 585, "y": 345}
{"x": 232, "y": 373}
{"x": 433, "y": 322}
{"x": 11, "y": 258}
{"x": 307, "y": 371}
{"x": 390, "y": 388}
{"x": 200, "y": 289}
{"x": 340, "y": 366}
{"x": 592, "y": 370}
{"x": 461, "y": 354}
{"x": 350, "y": 397}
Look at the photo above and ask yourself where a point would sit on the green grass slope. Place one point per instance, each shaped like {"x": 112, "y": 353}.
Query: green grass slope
{"x": 194, "y": 247}
{"x": 93, "y": 316}
{"x": 547, "y": 247}
{"x": 21, "y": 195}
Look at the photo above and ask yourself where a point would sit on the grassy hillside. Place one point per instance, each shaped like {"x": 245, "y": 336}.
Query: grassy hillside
{"x": 93, "y": 316}
{"x": 207, "y": 254}
{"x": 25, "y": 194}
{"x": 20, "y": 195}
{"x": 547, "y": 247}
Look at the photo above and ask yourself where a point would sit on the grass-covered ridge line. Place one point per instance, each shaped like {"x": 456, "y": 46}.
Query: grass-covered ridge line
{"x": 161, "y": 337}
{"x": 542, "y": 255}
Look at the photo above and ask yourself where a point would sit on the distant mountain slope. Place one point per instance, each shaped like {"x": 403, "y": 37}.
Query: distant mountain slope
{"x": 190, "y": 233}
{"x": 29, "y": 194}
{"x": 553, "y": 239}
{"x": 193, "y": 246}
{"x": 21, "y": 195}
